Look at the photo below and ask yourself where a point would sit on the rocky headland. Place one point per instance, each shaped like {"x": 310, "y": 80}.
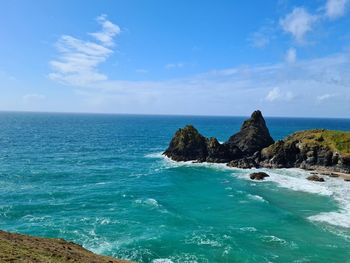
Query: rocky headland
{"x": 322, "y": 150}
{"x": 24, "y": 248}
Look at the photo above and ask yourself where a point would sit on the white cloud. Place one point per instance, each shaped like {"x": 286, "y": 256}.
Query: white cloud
{"x": 298, "y": 23}
{"x": 78, "y": 60}
{"x": 109, "y": 30}
{"x": 336, "y": 8}
{"x": 33, "y": 97}
{"x": 326, "y": 96}
{"x": 276, "y": 94}
{"x": 174, "y": 65}
{"x": 291, "y": 55}
{"x": 234, "y": 91}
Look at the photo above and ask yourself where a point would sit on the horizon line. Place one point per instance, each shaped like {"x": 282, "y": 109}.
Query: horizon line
{"x": 163, "y": 114}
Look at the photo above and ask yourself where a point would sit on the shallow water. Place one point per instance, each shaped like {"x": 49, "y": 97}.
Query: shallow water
{"x": 100, "y": 180}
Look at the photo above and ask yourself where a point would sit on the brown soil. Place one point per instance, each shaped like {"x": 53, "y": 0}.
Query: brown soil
{"x": 26, "y": 249}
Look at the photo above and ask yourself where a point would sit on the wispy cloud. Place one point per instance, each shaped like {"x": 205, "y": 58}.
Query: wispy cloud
{"x": 336, "y": 8}
{"x": 234, "y": 90}
{"x": 295, "y": 85}
{"x": 175, "y": 65}
{"x": 78, "y": 60}
{"x": 298, "y": 23}
{"x": 276, "y": 94}
{"x": 291, "y": 55}
{"x": 108, "y": 32}
{"x": 326, "y": 96}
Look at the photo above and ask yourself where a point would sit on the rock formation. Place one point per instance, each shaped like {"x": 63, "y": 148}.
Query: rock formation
{"x": 315, "y": 178}
{"x": 253, "y": 136}
{"x": 258, "y": 176}
{"x": 253, "y": 147}
{"x": 187, "y": 145}
{"x": 310, "y": 149}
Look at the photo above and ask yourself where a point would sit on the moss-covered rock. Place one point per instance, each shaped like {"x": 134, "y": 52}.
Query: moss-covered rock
{"x": 310, "y": 149}
{"x": 187, "y": 145}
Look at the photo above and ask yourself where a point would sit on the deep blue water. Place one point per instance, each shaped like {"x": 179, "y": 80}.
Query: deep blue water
{"x": 99, "y": 180}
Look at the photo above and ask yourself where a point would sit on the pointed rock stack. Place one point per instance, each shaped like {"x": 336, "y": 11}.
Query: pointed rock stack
{"x": 189, "y": 145}
{"x": 253, "y": 136}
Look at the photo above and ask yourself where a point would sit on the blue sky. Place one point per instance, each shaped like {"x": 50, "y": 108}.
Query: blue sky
{"x": 286, "y": 58}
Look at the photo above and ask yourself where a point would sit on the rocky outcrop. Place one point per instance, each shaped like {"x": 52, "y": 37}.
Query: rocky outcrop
{"x": 312, "y": 149}
{"x": 253, "y": 147}
{"x": 315, "y": 178}
{"x": 187, "y": 145}
{"x": 253, "y": 136}
{"x": 24, "y": 248}
{"x": 244, "y": 163}
{"x": 258, "y": 176}
{"x": 220, "y": 153}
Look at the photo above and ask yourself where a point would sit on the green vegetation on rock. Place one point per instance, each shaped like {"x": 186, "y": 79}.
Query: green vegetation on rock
{"x": 337, "y": 141}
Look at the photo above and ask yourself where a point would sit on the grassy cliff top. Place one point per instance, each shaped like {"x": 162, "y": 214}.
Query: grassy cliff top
{"x": 23, "y": 248}
{"x": 338, "y": 141}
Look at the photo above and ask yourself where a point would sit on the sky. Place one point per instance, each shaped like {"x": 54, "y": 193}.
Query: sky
{"x": 286, "y": 58}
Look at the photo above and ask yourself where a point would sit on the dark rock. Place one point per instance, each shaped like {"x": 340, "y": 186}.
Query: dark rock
{"x": 244, "y": 163}
{"x": 333, "y": 175}
{"x": 217, "y": 153}
{"x": 347, "y": 179}
{"x": 258, "y": 176}
{"x": 187, "y": 145}
{"x": 253, "y": 136}
{"x": 280, "y": 155}
{"x": 315, "y": 178}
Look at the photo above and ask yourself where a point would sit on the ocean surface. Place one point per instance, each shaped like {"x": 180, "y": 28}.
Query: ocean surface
{"x": 101, "y": 181}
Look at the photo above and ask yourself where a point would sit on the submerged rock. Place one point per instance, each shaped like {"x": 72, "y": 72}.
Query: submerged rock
{"x": 253, "y": 136}
{"x": 258, "y": 176}
{"x": 187, "y": 145}
{"x": 315, "y": 178}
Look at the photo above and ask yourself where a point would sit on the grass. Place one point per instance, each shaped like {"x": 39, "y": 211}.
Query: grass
{"x": 338, "y": 141}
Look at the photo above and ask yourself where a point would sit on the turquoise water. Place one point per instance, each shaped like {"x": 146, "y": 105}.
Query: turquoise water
{"x": 99, "y": 180}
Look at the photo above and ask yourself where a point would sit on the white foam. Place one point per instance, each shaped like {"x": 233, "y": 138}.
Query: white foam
{"x": 293, "y": 179}
{"x": 341, "y": 193}
{"x": 162, "y": 260}
{"x": 256, "y": 198}
{"x": 273, "y": 239}
{"x": 248, "y": 229}
{"x": 171, "y": 164}
{"x": 203, "y": 240}
{"x": 150, "y": 202}
{"x": 156, "y": 155}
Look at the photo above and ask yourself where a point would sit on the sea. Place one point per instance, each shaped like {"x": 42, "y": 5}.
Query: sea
{"x": 100, "y": 180}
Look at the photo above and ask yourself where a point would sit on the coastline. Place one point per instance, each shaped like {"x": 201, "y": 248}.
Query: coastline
{"x": 25, "y": 248}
